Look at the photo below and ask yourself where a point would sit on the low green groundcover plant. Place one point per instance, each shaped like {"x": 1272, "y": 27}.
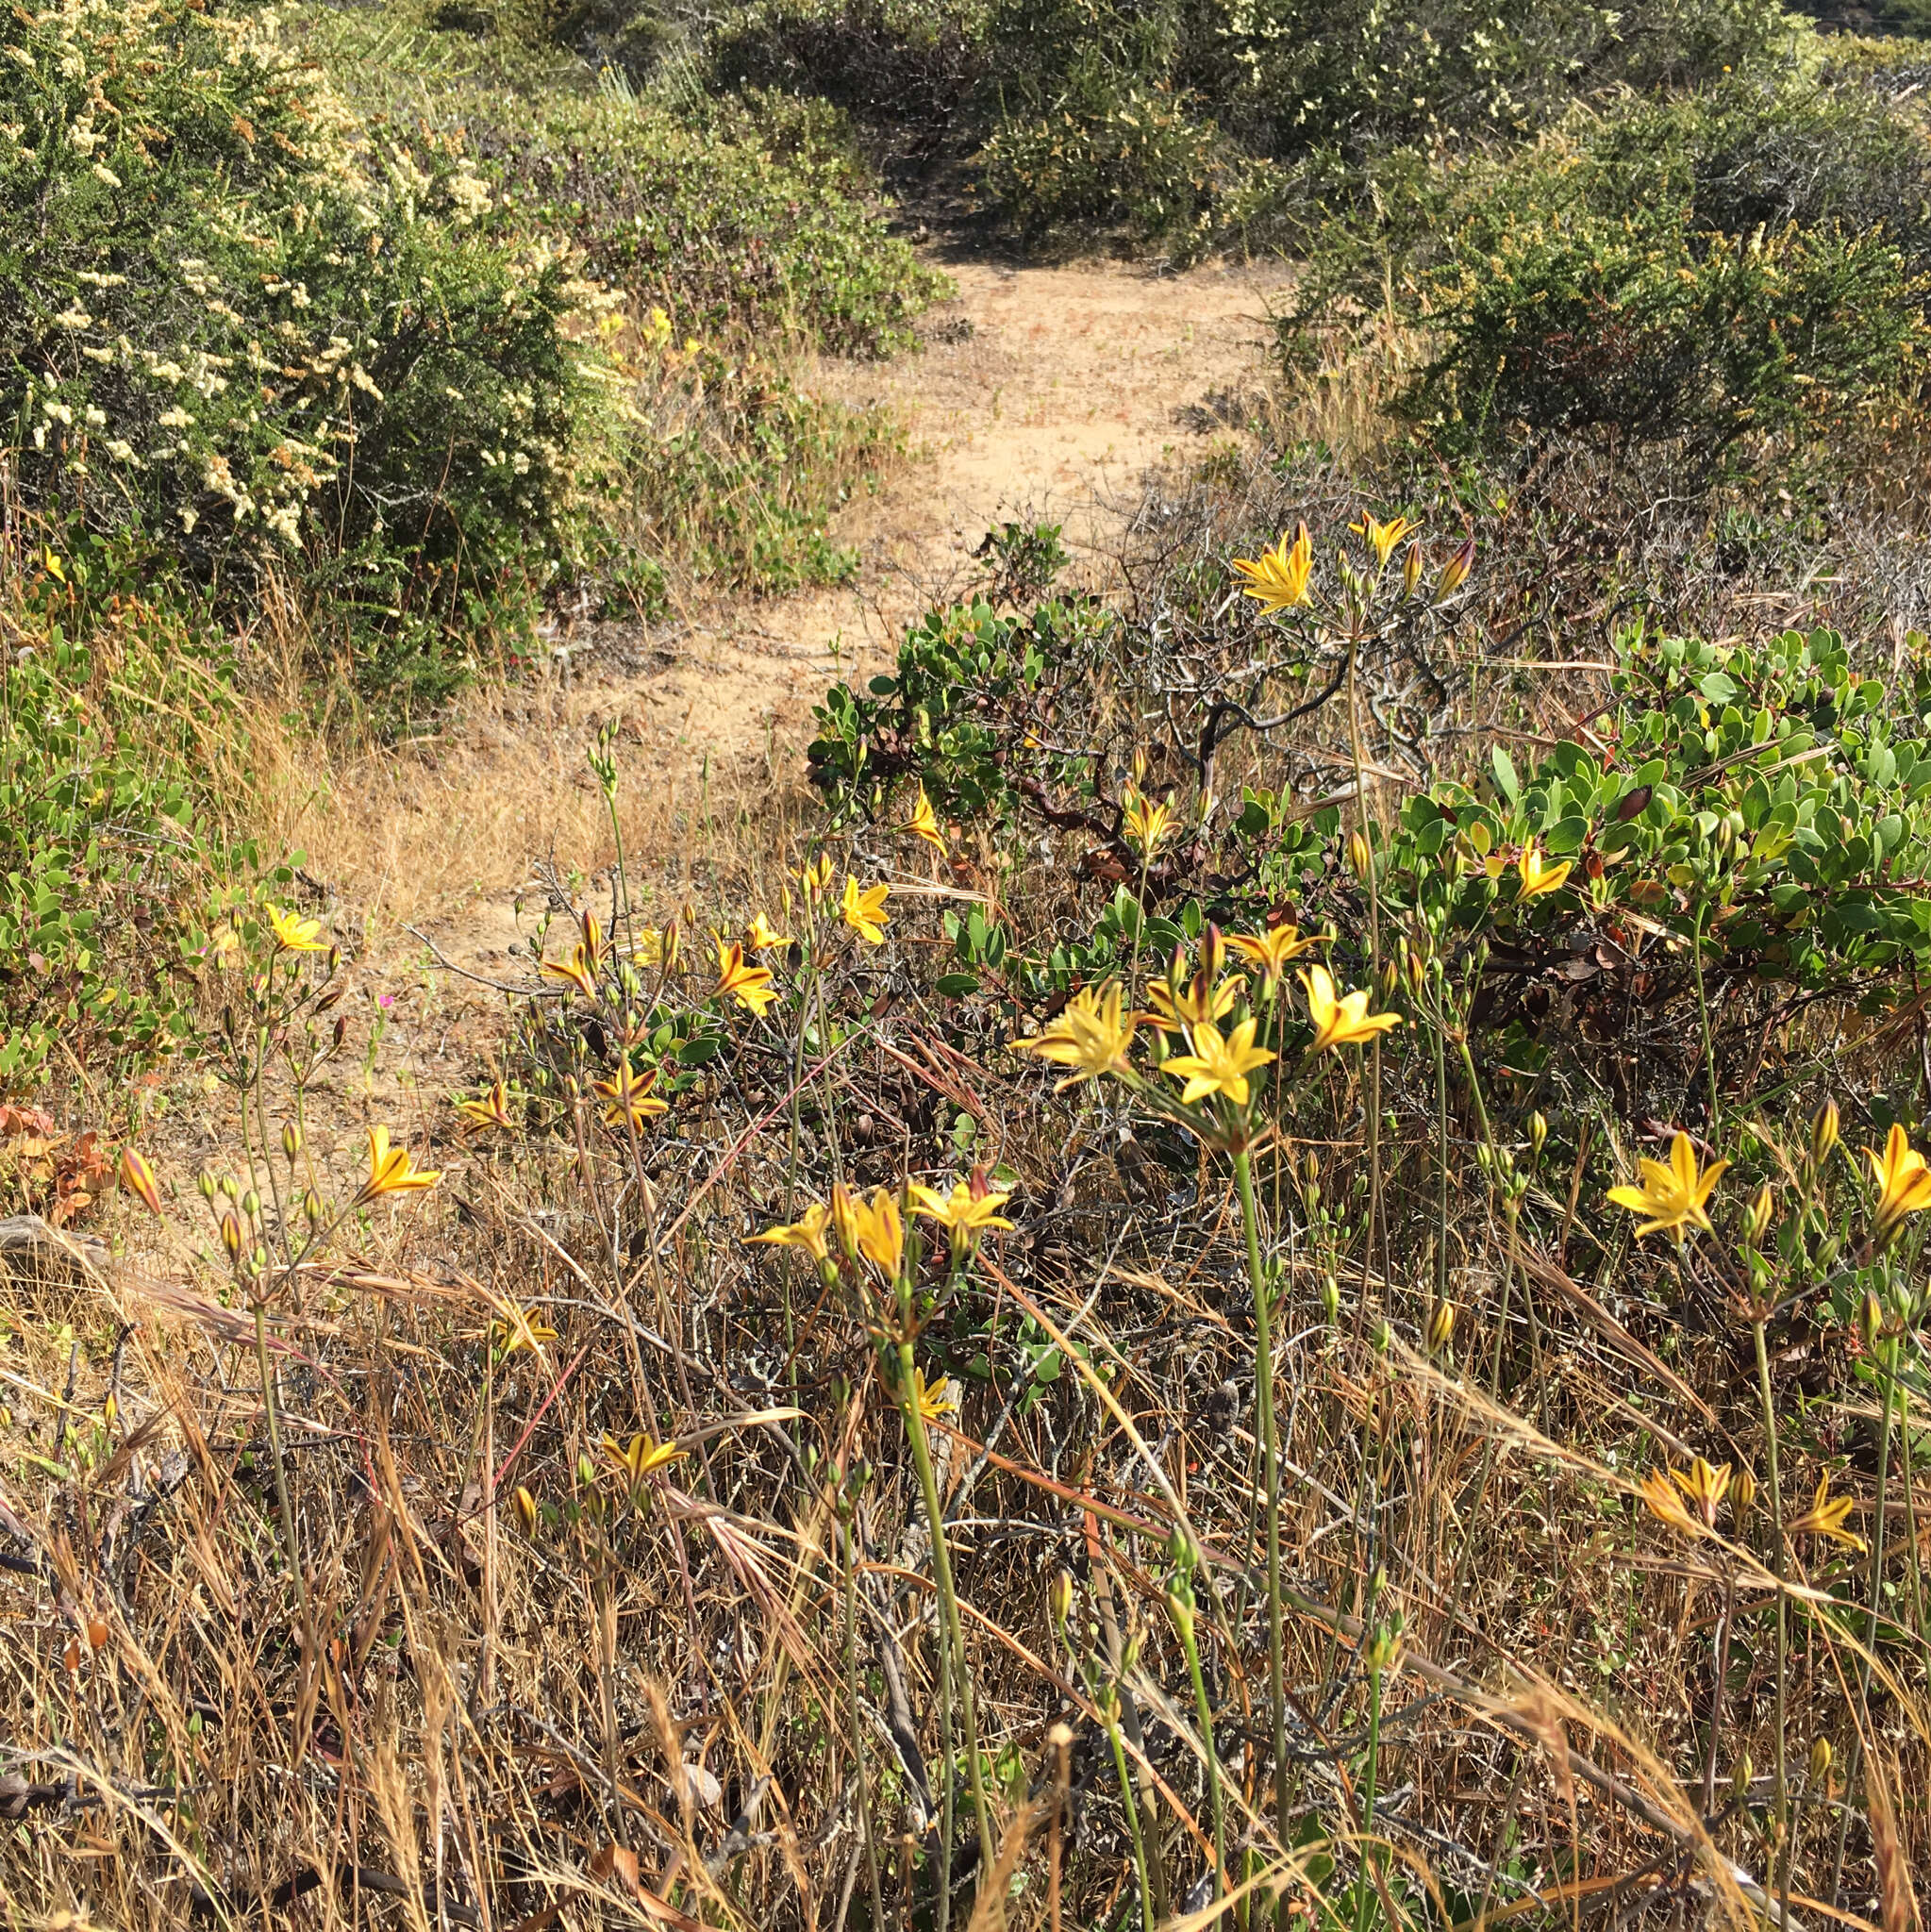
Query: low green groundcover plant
{"x": 116, "y": 846}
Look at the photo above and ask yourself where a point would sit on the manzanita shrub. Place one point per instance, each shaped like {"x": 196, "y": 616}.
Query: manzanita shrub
{"x": 1769, "y": 804}
{"x": 1751, "y": 818}
{"x": 965, "y": 692}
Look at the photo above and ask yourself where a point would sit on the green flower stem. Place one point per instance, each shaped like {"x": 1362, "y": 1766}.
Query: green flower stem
{"x": 1184, "y": 1625}
{"x": 952, "y": 1648}
{"x": 1271, "y": 1487}
{"x": 1368, "y": 1883}
{"x": 1874, "y": 1597}
{"x": 1109, "y": 1709}
{"x": 1776, "y": 1530}
{"x": 271, "y": 1413}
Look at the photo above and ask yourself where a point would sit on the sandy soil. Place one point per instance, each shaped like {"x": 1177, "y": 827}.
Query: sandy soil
{"x": 1046, "y": 395}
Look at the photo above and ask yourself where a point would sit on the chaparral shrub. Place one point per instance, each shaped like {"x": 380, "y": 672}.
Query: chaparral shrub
{"x": 265, "y": 340}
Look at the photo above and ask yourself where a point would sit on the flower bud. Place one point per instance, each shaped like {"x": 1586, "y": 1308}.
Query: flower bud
{"x": 292, "y": 1139}
{"x": 1384, "y": 1649}
{"x": 1310, "y": 1168}
{"x": 206, "y": 1185}
{"x": 1455, "y": 570}
{"x": 1871, "y": 1321}
{"x": 526, "y": 1510}
{"x": 138, "y": 1178}
{"x": 1360, "y": 854}
{"x": 1213, "y": 953}
{"x": 331, "y": 993}
{"x": 1440, "y": 1327}
{"x": 1820, "y": 1761}
{"x": 231, "y": 1237}
{"x": 1390, "y": 980}
{"x": 1180, "y": 1608}
{"x": 1740, "y": 1774}
{"x": 1331, "y": 1298}
{"x": 1381, "y": 1336}
{"x": 1756, "y": 1217}
{"x": 1538, "y": 1135}
{"x": 1823, "y": 1128}
{"x": 845, "y": 1221}
{"x": 311, "y": 1207}
{"x": 1742, "y": 1499}
{"x": 1060, "y": 1598}
{"x": 1411, "y": 570}
{"x": 251, "y": 1204}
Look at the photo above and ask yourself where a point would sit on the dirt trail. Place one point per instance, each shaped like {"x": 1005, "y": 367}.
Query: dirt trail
{"x": 1044, "y": 396}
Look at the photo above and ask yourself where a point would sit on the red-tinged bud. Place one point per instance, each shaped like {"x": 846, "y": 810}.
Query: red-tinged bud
{"x": 138, "y": 1178}
{"x": 1455, "y": 570}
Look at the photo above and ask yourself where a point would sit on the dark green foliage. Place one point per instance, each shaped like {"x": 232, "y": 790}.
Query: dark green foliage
{"x": 1190, "y": 123}
{"x": 1646, "y": 329}
{"x": 1729, "y": 275}
{"x": 1771, "y": 799}
{"x": 965, "y": 680}
{"x": 727, "y": 234}
{"x": 911, "y": 65}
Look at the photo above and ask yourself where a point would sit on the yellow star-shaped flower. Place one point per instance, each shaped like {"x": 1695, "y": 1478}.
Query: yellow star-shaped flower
{"x": 1341, "y": 1020}
{"x": 1904, "y": 1182}
{"x": 1673, "y": 1196}
{"x": 1217, "y": 1064}
{"x": 1089, "y": 1034}
{"x": 864, "y": 910}
{"x": 1277, "y": 579}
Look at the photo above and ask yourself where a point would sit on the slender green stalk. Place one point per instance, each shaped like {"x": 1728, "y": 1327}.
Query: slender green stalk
{"x": 1903, "y": 1420}
{"x": 1776, "y": 1531}
{"x": 1438, "y": 1037}
{"x": 1271, "y": 1487}
{"x": 1366, "y": 1887}
{"x": 1109, "y": 1709}
{"x": 953, "y": 1643}
{"x": 1875, "y": 1596}
{"x": 1180, "y": 1602}
{"x": 851, "y": 1554}
{"x": 271, "y": 1411}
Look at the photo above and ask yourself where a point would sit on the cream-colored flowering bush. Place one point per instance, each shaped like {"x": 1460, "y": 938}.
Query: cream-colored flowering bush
{"x": 262, "y": 337}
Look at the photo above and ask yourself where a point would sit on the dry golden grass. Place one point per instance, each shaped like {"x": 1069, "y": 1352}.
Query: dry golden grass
{"x": 463, "y": 1716}
{"x": 714, "y": 1696}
